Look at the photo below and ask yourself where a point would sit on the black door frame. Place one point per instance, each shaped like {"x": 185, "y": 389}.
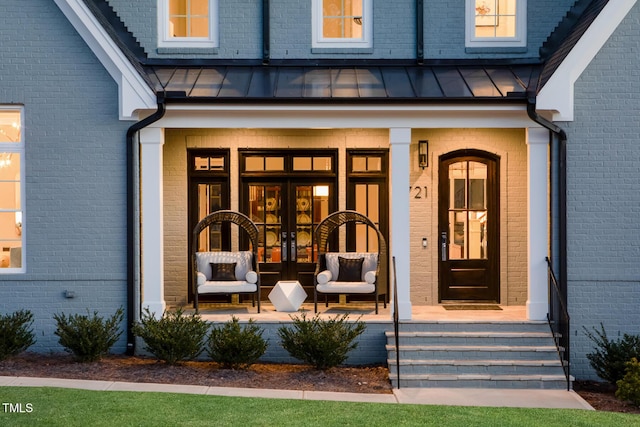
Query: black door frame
{"x": 288, "y": 178}
{"x": 492, "y": 265}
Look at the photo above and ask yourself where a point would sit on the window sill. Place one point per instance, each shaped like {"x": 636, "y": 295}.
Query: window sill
{"x": 187, "y": 51}
{"x": 343, "y": 50}
{"x": 497, "y": 49}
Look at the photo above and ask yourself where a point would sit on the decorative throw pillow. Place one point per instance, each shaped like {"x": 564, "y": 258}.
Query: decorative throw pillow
{"x": 350, "y": 269}
{"x": 225, "y": 271}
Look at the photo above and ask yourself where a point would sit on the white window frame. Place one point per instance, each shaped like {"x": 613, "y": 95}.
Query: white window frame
{"x": 17, "y": 148}
{"x": 318, "y": 41}
{"x": 519, "y": 40}
{"x": 165, "y": 39}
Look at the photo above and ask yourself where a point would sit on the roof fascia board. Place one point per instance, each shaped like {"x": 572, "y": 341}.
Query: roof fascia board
{"x": 557, "y": 95}
{"x": 134, "y": 93}
{"x": 298, "y": 116}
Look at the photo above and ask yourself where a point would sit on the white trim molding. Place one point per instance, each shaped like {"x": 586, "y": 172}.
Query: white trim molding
{"x": 400, "y": 142}
{"x": 134, "y": 93}
{"x": 319, "y": 41}
{"x": 537, "y": 222}
{"x": 518, "y": 40}
{"x": 557, "y": 96}
{"x": 165, "y": 39}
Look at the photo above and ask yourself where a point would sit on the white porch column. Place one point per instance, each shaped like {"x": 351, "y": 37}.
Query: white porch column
{"x": 152, "y": 263}
{"x": 537, "y": 222}
{"x": 400, "y": 139}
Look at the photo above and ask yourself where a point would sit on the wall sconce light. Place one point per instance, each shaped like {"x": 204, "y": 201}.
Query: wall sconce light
{"x": 423, "y": 153}
{"x": 357, "y": 20}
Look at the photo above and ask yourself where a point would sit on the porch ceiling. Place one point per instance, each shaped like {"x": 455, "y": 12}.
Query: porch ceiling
{"x": 364, "y": 84}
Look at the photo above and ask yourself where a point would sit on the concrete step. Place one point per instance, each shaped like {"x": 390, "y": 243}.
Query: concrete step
{"x": 474, "y": 326}
{"x": 476, "y": 354}
{"x": 483, "y": 367}
{"x": 554, "y": 382}
{"x": 483, "y": 352}
{"x": 471, "y": 338}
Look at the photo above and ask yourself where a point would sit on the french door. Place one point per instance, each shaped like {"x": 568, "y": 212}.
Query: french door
{"x": 286, "y": 214}
{"x": 468, "y": 227}
{"x": 286, "y": 194}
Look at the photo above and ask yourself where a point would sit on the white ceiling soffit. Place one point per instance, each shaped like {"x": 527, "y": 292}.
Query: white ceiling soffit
{"x": 556, "y": 96}
{"x": 134, "y": 93}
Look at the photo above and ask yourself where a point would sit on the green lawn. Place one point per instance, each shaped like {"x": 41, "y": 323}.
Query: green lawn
{"x": 69, "y": 407}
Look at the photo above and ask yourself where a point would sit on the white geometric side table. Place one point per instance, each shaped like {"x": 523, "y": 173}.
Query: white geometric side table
{"x": 287, "y": 295}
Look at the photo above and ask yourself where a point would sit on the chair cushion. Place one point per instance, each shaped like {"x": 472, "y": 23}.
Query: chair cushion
{"x": 346, "y": 288}
{"x": 227, "y": 287}
{"x": 251, "y": 277}
{"x": 350, "y": 269}
{"x": 223, "y": 271}
{"x": 370, "y": 262}
{"x": 324, "y": 277}
{"x": 241, "y": 258}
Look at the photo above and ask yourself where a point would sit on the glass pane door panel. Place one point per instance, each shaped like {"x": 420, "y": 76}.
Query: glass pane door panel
{"x": 468, "y": 210}
{"x": 304, "y": 223}
{"x": 264, "y": 208}
{"x": 210, "y": 200}
{"x": 367, "y": 202}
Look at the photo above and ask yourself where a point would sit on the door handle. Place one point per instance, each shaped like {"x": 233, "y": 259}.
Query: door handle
{"x": 294, "y": 249}
{"x": 283, "y": 246}
{"x": 443, "y": 245}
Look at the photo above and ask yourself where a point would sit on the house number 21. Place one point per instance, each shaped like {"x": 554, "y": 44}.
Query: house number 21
{"x": 418, "y": 192}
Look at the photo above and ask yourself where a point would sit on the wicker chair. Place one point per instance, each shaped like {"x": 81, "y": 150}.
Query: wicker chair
{"x": 247, "y": 274}
{"x": 326, "y": 282}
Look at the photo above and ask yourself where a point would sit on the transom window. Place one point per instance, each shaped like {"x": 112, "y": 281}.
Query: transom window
{"x": 11, "y": 190}
{"x": 188, "y": 23}
{"x": 342, "y": 23}
{"x": 501, "y": 23}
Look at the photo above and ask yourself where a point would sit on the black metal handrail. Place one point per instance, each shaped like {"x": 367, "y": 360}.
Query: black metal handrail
{"x": 396, "y": 321}
{"x": 559, "y": 322}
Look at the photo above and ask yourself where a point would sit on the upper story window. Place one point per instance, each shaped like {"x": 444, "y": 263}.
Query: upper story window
{"x": 342, "y": 23}
{"x": 11, "y": 190}
{"x": 188, "y": 23}
{"x": 496, "y": 23}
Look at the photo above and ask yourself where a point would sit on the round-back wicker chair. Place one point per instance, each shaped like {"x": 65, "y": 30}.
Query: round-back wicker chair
{"x": 243, "y": 222}
{"x": 323, "y": 233}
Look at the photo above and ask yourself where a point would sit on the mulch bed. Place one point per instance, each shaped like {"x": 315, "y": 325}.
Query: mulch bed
{"x": 359, "y": 379}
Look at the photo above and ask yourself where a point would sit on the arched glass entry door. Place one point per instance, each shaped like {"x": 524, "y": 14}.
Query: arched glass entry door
{"x": 468, "y": 227}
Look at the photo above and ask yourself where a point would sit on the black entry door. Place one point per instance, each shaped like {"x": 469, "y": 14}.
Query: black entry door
{"x": 286, "y": 212}
{"x": 468, "y": 227}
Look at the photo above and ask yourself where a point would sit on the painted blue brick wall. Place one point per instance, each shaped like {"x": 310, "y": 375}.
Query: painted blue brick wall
{"x": 394, "y": 29}
{"x": 603, "y": 156}
{"x": 75, "y": 225}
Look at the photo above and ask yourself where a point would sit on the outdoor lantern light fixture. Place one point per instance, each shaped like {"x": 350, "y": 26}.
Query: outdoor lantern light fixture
{"x": 423, "y": 153}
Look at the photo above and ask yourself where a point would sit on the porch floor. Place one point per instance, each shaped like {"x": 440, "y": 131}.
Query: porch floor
{"x": 244, "y": 312}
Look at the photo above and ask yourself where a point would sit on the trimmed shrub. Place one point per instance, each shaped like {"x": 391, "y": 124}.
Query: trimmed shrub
{"x": 16, "y": 334}
{"x": 610, "y": 356}
{"x": 629, "y": 385}
{"x": 234, "y": 346}
{"x": 321, "y": 343}
{"x": 88, "y": 338}
{"x": 174, "y": 337}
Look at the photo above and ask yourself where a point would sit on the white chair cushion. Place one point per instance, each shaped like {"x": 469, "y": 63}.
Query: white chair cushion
{"x": 241, "y": 258}
{"x": 370, "y": 277}
{"x": 370, "y": 262}
{"x": 227, "y": 287}
{"x": 324, "y": 277}
{"x": 251, "y": 277}
{"x": 346, "y": 288}
{"x": 202, "y": 279}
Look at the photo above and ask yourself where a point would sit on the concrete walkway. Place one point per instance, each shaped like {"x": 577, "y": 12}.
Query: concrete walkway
{"x": 423, "y": 396}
